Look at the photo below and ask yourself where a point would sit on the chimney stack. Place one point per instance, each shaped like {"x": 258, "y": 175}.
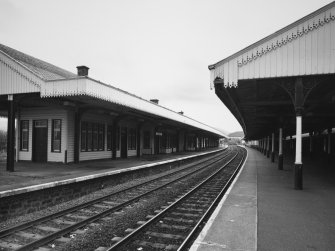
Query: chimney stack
{"x": 154, "y": 101}
{"x": 82, "y": 70}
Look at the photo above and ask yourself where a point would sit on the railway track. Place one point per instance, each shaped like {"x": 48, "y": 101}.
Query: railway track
{"x": 58, "y": 227}
{"x": 176, "y": 226}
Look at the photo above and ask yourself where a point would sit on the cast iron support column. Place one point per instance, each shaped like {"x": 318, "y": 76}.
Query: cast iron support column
{"x": 177, "y": 141}
{"x": 268, "y": 147}
{"x": 138, "y": 140}
{"x": 298, "y": 157}
{"x": 329, "y": 144}
{"x": 273, "y": 148}
{"x": 185, "y": 141}
{"x": 311, "y": 145}
{"x": 10, "y": 134}
{"x": 265, "y": 147}
{"x": 299, "y": 97}
{"x": 280, "y": 153}
{"x": 114, "y": 138}
{"x": 76, "y": 135}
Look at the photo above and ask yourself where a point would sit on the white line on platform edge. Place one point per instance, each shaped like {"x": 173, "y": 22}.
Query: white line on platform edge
{"x": 209, "y": 223}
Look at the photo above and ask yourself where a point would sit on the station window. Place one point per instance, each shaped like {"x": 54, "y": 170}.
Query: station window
{"x": 89, "y": 137}
{"x": 146, "y": 140}
{"x": 132, "y": 139}
{"x": 83, "y": 136}
{"x": 92, "y": 137}
{"x": 109, "y": 137}
{"x": 56, "y": 135}
{"x": 24, "y": 135}
{"x": 95, "y": 137}
{"x": 166, "y": 141}
{"x": 101, "y": 137}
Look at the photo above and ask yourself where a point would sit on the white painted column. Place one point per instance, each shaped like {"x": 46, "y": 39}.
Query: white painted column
{"x": 298, "y": 179}
{"x": 273, "y": 147}
{"x": 298, "y": 156}
{"x": 329, "y": 140}
{"x": 280, "y": 152}
{"x": 280, "y": 141}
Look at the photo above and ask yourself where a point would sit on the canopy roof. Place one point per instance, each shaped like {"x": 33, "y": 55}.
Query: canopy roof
{"x": 257, "y": 84}
{"x": 22, "y": 74}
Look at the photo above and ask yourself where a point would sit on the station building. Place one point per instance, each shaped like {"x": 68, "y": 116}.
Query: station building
{"x": 283, "y": 87}
{"x": 66, "y": 117}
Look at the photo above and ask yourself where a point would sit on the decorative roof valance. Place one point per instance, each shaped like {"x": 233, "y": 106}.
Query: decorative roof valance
{"x": 302, "y": 48}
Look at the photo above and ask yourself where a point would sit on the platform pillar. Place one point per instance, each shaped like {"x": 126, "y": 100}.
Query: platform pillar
{"x": 268, "y": 147}
{"x": 10, "y": 134}
{"x": 311, "y": 145}
{"x": 329, "y": 144}
{"x": 76, "y": 136}
{"x": 115, "y": 138}
{"x": 138, "y": 140}
{"x": 298, "y": 155}
{"x": 273, "y": 148}
{"x": 280, "y": 153}
{"x": 264, "y": 149}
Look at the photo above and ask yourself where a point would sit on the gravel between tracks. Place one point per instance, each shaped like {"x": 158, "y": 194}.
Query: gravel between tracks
{"x": 56, "y": 208}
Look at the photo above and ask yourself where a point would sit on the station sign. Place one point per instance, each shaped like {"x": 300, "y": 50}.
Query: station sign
{"x": 159, "y": 134}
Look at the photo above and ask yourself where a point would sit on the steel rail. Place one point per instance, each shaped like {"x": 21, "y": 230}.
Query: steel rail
{"x": 26, "y": 225}
{"x": 211, "y": 208}
{"x": 66, "y": 230}
{"x": 154, "y": 219}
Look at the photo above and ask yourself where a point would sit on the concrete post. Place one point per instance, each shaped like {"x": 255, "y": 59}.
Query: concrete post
{"x": 273, "y": 148}
{"x": 280, "y": 153}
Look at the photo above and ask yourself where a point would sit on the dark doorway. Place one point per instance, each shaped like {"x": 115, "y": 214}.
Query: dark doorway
{"x": 124, "y": 141}
{"x": 40, "y": 141}
{"x": 157, "y": 144}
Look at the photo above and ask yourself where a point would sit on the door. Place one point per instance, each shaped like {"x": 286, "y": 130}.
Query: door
{"x": 40, "y": 141}
{"x": 124, "y": 141}
{"x": 157, "y": 144}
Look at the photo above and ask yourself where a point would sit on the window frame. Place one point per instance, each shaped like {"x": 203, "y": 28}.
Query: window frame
{"x": 53, "y": 122}
{"x": 109, "y": 137}
{"x": 21, "y": 136}
{"x": 146, "y": 140}
{"x": 132, "y": 139}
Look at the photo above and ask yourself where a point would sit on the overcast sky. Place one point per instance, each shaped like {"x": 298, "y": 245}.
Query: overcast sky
{"x": 152, "y": 48}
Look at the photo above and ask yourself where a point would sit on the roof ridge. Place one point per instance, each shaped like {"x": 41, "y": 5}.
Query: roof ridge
{"x": 41, "y": 68}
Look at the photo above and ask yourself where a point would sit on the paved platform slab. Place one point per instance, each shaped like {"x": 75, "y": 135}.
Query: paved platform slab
{"x": 263, "y": 212}
{"x": 29, "y": 174}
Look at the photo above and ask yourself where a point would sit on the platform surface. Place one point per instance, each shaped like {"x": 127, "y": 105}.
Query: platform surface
{"x": 31, "y": 174}
{"x": 263, "y": 212}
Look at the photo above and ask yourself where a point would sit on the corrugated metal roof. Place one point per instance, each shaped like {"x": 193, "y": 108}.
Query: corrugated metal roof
{"x": 39, "y": 67}
{"x": 59, "y": 82}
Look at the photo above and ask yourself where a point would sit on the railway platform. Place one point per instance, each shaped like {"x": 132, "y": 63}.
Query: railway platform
{"x": 263, "y": 212}
{"x": 29, "y": 175}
